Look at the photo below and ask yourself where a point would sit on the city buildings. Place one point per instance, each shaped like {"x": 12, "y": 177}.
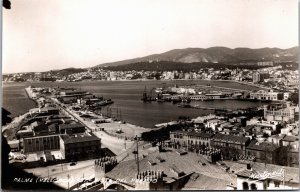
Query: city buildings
{"x": 230, "y": 141}
{"x": 280, "y": 112}
{"x": 41, "y": 143}
{"x": 260, "y": 77}
{"x": 169, "y": 170}
{"x": 78, "y": 146}
{"x": 266, "y": 95}
{"x": 191, "y": 139}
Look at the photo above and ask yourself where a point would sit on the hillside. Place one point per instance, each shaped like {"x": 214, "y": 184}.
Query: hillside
{"x": 215, "y": 55}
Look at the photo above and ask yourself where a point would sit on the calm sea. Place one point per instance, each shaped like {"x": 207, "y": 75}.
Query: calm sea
{"x": 127, "y": 99}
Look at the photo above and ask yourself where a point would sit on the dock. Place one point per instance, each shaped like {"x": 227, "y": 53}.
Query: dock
{"x": 29, "y": 93}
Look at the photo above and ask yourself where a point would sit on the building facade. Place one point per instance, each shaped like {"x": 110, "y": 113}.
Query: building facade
{"x": 191, "y": 139}
{"x": 281, "y": 178}
{"x": 79, "y": 146}
{"x": 283, "y": 112}
{"x": 238, "y": 143}
{"x": 41, "y": 143}
{"x": 266, "y": 95}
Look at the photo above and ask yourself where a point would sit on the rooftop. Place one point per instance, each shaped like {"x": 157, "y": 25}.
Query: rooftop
{"x": 290, "y": 138}
{"x": 194, "y": 133}
{"x": 230, "y": 138}
{"x": 70, "y": 126}
{"x": 188, "y": 163}
{"x": 262, "y": 146}
{"x": 78, "y": 138}
{"x": 203, "y": 182}
{"x": 291, "y": 174}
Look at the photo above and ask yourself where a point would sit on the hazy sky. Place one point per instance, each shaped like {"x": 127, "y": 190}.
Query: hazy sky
{"x": 40, "y": 35}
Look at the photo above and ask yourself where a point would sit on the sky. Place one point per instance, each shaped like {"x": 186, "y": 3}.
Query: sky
{"x": 42, "y": 35}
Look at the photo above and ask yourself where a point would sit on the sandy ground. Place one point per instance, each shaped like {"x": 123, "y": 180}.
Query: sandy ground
{"x": 127, "y": 130}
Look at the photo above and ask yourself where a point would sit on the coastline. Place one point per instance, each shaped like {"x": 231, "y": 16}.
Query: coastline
{"x": 150, "y": 80}
{"x": 116, "y": 126}
{"x": 16, "y": 121}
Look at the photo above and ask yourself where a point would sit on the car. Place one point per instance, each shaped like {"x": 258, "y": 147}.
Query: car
{"x": 72, "y": 163}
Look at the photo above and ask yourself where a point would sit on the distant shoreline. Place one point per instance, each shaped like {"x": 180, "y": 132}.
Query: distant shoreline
{"x": 135, "y": 82}
{"x": 144, "y": 80}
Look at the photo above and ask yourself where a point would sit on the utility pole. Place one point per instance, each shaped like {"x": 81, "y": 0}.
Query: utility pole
{"x": 68, "y": 182}
{"x": 283, "y": 178}
{"x": 137, "y": 154}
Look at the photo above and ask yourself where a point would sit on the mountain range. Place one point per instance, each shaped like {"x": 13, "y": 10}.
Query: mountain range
{"x": 216, "y": 55}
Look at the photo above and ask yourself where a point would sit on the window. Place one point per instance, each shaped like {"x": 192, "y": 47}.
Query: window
{"x": 253, "y": 186}
{"x": 276, "y": 183}
{"x": 245, "y": 186}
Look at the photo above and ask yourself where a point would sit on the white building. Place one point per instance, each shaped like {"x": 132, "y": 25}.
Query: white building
{"x": 267, "y": 177}
{"x": 280, "y": 113}
{"x": 266, "y": 95}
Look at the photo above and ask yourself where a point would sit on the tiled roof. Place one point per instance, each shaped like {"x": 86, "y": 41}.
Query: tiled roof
{"x": 194, "y": 133}
{"x": 203, "y": 182}
{"x": 290, "y": 138}
{"x": 70, "y": 126}
{"x": 201, "y": 134}
{"x": 230, "y": 138}
{"x": 79, "y": 138}
{"x": 262, "y": 146}
{"x": 187, "y": 163}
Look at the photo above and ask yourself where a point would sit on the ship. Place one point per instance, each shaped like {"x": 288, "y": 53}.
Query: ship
{"x": 148, "y": 97}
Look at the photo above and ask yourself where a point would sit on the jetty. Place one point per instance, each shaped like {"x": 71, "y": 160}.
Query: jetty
{"x": 208, "y": 108}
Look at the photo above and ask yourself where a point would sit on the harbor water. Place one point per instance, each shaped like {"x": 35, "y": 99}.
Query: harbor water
{"x": 127, "y": 99}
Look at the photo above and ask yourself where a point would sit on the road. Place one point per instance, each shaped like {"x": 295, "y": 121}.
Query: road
{"x": 115, "y": 144}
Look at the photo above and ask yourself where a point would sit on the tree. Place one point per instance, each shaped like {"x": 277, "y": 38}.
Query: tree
{"x": 294, "y": 98}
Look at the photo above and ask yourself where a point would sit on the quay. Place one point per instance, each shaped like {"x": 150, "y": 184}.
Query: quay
{"x": 209, "y": 108}
{"x": 29, "y": 93}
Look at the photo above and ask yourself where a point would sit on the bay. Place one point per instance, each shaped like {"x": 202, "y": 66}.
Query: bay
{"x": 127, "y": 99}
